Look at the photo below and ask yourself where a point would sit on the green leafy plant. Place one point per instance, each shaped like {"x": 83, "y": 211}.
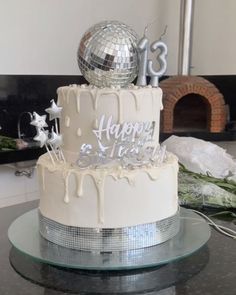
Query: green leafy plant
{"x": 198, "y": 190}
{"x": 7, "y": 143}
{"x": 225, "y": 183}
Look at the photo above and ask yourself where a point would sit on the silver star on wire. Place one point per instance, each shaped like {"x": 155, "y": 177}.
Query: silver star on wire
{"x": 39, "y": 121}
{"x": 55, "y": 139}
{"x": 41, "y": 136}
{"x": 54, "y": 111}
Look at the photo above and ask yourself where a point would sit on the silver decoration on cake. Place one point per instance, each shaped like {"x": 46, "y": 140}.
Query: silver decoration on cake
{"x": 54, "y": 111}
{"x": 146, "y": 65}
{"x": 130, "y": 144}
{"x": 52, "y": 141}
{"x": 142, "y": 47}
{"x": 109, "y": 239}
{"x": 41, "y": 137}
{"x": 157, "y": 45}
{"x": 39, "y": 121}
{"x": 55, "y": 139}
{"x": 107, "y": 54}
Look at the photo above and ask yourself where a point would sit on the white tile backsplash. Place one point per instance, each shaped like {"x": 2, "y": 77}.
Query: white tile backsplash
{"x": 10, "y": 185}
{"x": 32, "y": 196}
{"x": 31, "y": 184}
{"x": 12, "y": 200}
{"x": 16, "y": 189}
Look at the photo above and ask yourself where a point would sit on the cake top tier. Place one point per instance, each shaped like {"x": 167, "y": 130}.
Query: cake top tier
{"x": 108, "y": 120}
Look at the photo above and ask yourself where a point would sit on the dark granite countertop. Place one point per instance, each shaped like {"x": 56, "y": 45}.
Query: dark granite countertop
{"x": 209, "y": 271}
{"x": 20, "y": 155}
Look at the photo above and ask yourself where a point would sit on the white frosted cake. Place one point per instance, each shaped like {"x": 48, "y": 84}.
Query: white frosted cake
{"x": 106, "y": 184}
{"x": 118, "y": 191}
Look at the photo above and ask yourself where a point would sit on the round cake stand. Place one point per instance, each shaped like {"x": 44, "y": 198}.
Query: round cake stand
{"x": 24, "y": 235}
{"x": 157, "y": 280}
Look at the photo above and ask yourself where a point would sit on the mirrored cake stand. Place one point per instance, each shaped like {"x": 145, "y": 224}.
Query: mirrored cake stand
{"x": 25, "y": 237}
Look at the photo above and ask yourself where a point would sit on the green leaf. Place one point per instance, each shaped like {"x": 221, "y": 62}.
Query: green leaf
{"x": 225, "y": 183}
{"x": 7, "y": 143}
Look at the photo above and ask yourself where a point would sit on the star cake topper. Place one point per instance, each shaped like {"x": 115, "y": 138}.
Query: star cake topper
{"x": 54, "y": 111}
{"x": 39, "y": 121}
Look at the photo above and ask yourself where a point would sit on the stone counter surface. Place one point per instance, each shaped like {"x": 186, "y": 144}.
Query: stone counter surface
{"x": 209, "y": 271}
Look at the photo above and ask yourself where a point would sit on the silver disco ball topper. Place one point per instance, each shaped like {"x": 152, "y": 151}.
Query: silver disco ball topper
{"x": 107, "y": 54}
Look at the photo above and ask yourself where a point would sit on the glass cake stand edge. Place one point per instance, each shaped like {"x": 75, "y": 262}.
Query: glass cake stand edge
{"x": 24, "y": 236}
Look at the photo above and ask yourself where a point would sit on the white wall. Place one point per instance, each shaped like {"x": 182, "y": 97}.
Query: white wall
{"x": 214, "y": 37}
{"x": 42, "y": 36}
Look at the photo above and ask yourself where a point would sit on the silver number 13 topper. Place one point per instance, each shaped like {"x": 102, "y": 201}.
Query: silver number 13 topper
{"x": 146, "y": 65}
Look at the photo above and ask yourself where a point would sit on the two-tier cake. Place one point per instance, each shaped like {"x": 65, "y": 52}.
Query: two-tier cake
{"x": 111, "y": 187}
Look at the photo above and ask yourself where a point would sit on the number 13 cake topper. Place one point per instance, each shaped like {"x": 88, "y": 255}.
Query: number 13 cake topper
{"x": 146, "y": 65}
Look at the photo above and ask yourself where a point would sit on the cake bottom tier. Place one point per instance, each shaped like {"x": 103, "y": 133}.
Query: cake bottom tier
{"x": 108, "y": 204}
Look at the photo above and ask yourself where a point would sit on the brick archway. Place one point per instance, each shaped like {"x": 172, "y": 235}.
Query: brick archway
{"x": 175, "y": 88}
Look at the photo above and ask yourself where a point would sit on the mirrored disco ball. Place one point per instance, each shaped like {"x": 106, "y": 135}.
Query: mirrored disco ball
{"x": 107, "y": 54}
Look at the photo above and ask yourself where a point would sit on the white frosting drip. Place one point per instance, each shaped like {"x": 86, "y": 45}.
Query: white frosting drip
{"x": 137, "y": 100}
{"x": 96, "y": 93}
{"x": 68, "y": 96}
{"x": 79, "y": 132}
{"x": 66, "y": 174}
{"x": 99, "y": 176}
{"x": 78, "y": 100}
{"x": 67, "y": 121}
{"x": 43, "y": 177}
{"x": 95, "y": 124}
{"x": 62, "y": 94}
{"x": 154, "y": 115}
{"x": 100, "y": 183}
{"x": 80, "y": 180}
{"x": 120, "y": 108}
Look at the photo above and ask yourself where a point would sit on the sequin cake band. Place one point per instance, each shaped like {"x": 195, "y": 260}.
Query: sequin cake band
{"x": 109, "y": 239}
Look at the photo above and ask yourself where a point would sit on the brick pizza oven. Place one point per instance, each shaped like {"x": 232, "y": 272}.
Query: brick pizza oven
{"x": 192, "y": 103}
